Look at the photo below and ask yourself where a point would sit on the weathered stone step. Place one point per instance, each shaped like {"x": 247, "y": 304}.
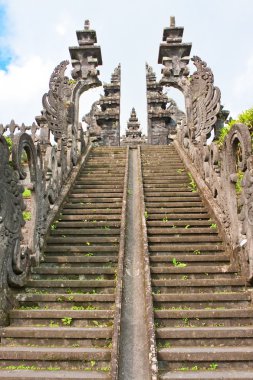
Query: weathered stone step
{"x": 71, "y": 284}
{"x": 189, "y": 217}
{"x": 89, "y": 249}
{"x": 208, "y": 375}
{"x": 185, "y": 247}
{"x": 204, "y": 314}
{"x": 50, "y": 353}
{"x": 70, "y": 270}
{"x": 191, "y": 258}
{"x": 202, "y": 297}
{"x": 183, "y": 238}
{"x": 205, "y": 333}
{"x": 91, "y": 207}
{"x": 199, "y": 283}
{"x": 229, "y": 300}
{"x": 56, "y": 332}
{"x": 92, "y": 224}
{"x": 66, "y": 298}
{"x": 80, "y": 259}
{"x": 59, "y": 314}
{"x": 99, "y": 188}
{"x": 187, "y": 230}
{"x": 174, "y": 210}
{"x": 157, "y": 201}
{"x": 199, "y": 269}
{"x": 166, "y": 223}
{"x": 91, "y": 213}
{"x": 92, "y": 200}
{"x": 96, "y": 193}
{"x": 89, "y": 240}
{"x": 159, "y": 206}
{"x": 170, "y": 194}
{"x": 103, "y": 230}
{"x": 206, "y": 354}
{"x": 95, "y": 218}
{"x": 52, "y": 374}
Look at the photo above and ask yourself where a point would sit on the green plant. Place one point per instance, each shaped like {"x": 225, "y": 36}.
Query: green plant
{"x": 72, "y": 81}
{"x": 180, "y": 171}
{"x": 89, "y": 254}
{"x": 197, "y": 252}
{"x": 213, "y": 225}
{"x": 165, "y": 219}
{"x": 146, "y": 214}
{"x": 27, "y": 215}
{"x": 9, "y": 143}
{"x": 67, "y": 321}
{"x": 213, "y": 366}
{"x": 26, "y": 193}
{"x": 238, "y": 185}
{"x": 187, "y": 226}
{"x": 192, "y": 184}
{"x": 53, "y": 324}
{"x": 178, "y": 264}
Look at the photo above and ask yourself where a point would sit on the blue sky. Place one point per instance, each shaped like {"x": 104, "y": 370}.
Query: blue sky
{"x": 5, "y": 54}
{"x": 39, "y": 32}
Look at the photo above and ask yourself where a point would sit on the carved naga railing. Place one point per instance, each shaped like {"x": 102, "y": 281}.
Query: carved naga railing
{"x": 40, "y": 160}
{"x": 224, "y": 172}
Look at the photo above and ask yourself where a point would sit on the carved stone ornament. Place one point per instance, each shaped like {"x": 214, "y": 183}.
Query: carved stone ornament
{"x": 205, "y": 98}
{"x": 58, "y": 108}
{"x": 14, "y": 256}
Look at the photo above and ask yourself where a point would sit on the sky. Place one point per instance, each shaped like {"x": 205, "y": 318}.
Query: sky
{"x": 35, "y": 36}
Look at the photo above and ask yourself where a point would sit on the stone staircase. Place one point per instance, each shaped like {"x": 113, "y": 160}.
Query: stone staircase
{"x": 62, "y": 327}
{"x": 202, "y": 310}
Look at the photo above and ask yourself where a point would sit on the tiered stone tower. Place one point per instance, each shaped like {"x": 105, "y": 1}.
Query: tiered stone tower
{"x": 163, "y": 113}
{"x": 103, "y": 120}
{"x": 133, "y": 133}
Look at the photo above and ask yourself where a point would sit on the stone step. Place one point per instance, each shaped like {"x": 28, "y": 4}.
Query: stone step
{"x": 187, "y": 218}
{"x": 88, "y": 240}
{"x": 187, "y": 230}
{"x": 92, "y": 218}
{"x": 66, "y": 298}
{"x": 199, "y": 269}
{"x": 180, "y": 239}
{"x": 191, "y": 258}
{"x": 78, "y": 284}
{"x": 103, "y": 230}
{"x": 166, "y": 223}
{"x": 208, "y": 375}
{"x": 87, "y": 213}
{"x": 45, "y": 354}
{"x": 236, "y": 335}
{"x": 56, "y": 333}
{"x": 89, "y": 249}
{"x": 92, "y": 224}
{"x": 80, "y": 259}
{"x": 51, "y": 374}
{"x": 81, "y": 204}
{"x": 206, "y": 354}
{"x": 185, "y": 248}
{"x": 70, "y": 270}
{"x": 199, "y": 283}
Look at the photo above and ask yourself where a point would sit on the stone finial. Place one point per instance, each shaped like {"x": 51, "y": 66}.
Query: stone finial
{"x": 87, "y": 56}
{"x": 174, "y": 54}
{"x": 87, "y": 25}
{"x": 172, "y": 22}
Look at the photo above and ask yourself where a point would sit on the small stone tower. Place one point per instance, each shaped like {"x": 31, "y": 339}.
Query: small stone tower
{"x": 134, "y": 134}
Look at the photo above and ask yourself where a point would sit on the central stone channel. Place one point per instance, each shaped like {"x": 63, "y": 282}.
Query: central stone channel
{"x": 134, "y": 355}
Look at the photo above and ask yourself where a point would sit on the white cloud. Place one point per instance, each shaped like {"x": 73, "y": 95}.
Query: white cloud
{"x": 22, "y": 89}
